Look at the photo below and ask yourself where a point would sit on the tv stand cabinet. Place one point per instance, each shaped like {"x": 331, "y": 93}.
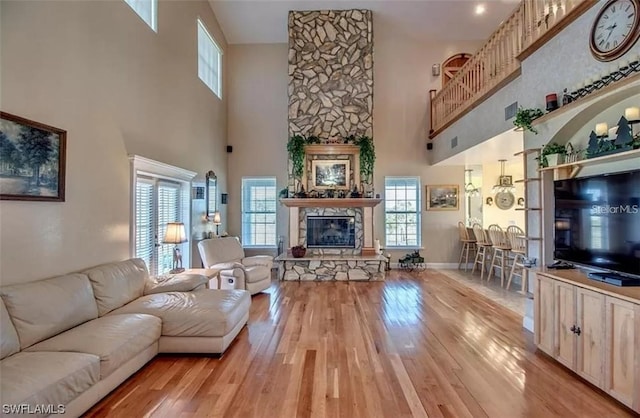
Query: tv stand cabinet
{"x": 592, "y": 328}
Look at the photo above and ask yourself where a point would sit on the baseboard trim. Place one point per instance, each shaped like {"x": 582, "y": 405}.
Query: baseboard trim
{"x": 437, "y": 266}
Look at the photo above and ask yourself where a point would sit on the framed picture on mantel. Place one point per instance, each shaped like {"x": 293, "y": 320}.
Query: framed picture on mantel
{"x": 330, "y": 174}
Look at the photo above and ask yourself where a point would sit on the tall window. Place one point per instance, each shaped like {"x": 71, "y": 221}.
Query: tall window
{"x": 209, "y": 60}
{"x": 147, "y": 10}
{"x": 402, "y": 211}
{"x": 157, "y": 203}
{"x": 259, "y": 212}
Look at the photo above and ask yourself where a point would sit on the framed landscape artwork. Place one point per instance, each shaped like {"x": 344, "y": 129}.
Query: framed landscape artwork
{"x": 442, "y": 197}
{"x": 32, "y": 160}
{"x": 330, "y": 174}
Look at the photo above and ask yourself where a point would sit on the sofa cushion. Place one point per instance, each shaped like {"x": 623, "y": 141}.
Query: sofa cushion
{"x": 220, "y": 250}
{"x": 256, "y": 274}
{"x": 44, "y": 308}
{"x": 116, "y": 284}
{"x": 9, "y": 343}
{"x": 203, "y": 313}
{"x": 114, "y": 338}
{"x": 46, "y": 378}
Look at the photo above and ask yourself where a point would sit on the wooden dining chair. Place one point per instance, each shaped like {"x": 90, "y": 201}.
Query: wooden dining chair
{"x": 518, "y": 243}
{"x": 468, "y": 245}
{"x": 483, "y": 248}
{"x": 501, "y": 248}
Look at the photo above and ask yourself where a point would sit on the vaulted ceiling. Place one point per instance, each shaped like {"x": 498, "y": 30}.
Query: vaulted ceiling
{"x": 265, "y": 21}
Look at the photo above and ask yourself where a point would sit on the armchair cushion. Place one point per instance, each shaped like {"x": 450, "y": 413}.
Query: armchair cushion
{"x": 185, "y": 282}
{"x": 258, "y": 260}
{"x": 220, "y": 250}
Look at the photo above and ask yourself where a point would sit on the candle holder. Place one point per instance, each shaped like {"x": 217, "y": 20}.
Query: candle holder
{"x": 595, "y": 85}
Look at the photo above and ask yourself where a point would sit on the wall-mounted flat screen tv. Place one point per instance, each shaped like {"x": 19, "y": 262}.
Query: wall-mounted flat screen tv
{"x": 597, "y": 221}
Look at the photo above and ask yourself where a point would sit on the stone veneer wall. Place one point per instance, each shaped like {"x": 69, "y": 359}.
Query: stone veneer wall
{"x": 330, "y": 270}
{"x": 355, "y": 212}
{"x": 331, "y": 73}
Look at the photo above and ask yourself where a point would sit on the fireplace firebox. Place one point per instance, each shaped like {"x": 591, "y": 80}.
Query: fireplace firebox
{"x": 331, "y": 232}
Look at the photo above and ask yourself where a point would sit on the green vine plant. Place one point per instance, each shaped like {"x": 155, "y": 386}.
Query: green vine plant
{"x": 367, "y": 158}
{"x": 524, "y": 117}
{"x": 549, "y": 149}
{"x": 295, "y": 148}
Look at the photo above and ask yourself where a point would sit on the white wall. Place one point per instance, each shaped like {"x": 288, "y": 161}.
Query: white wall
{"x": 95, "y": 69}
{"x": 402, "y": 79}
{"x": 492, "y": 214}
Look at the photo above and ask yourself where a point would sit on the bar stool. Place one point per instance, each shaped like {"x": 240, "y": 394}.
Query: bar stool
{"x": 483, "y": 244}
{"x": 501, "y": 249}
{"x": 468, "y": 245}
{"x": 519, "y": 250}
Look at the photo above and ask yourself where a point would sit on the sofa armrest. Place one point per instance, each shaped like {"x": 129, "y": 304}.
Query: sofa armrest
{"x": 258, "y": 260}
{"x": 227, "y": 266}
{"x": 185, "y": 282}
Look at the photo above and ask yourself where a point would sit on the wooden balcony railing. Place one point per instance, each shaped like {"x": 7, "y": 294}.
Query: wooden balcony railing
{"x": 532, "y": 24}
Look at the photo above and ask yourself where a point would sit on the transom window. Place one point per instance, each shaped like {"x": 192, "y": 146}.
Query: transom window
{"x": 147, "y": 10}
{"x": 402, "y": 211}
{"x": 259, "y": 212}
{"x": 209, "y": 60}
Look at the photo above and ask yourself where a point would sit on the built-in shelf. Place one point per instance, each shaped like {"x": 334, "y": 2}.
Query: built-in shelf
{"x": 331, "y": 203}
{"x": 528, "y": 209}
{"x": 527, "y": 151}
{"x": 570, "y": 170}
{"x": 528, "y": 180}
{"x": 611, "y": 87}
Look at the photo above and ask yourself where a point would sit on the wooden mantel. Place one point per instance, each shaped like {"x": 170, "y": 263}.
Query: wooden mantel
{"x": 331, "y": 203}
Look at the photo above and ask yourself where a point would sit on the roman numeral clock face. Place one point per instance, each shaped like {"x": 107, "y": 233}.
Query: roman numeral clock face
{"x": 615, "y": 30}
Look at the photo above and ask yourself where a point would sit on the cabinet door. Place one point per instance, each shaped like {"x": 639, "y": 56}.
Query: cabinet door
{"x": 565, "y": 319}
{"x": 591, "y": 341}
{"x": 543, "y": 314}
{"x": 622, "y": 369}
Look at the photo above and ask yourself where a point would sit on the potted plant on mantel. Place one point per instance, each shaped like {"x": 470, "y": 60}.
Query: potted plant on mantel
{"x": 525, "y": 117}
{"x": 367, "y": 161}
{"x": 552, "y": 155}
{"x": 295, "y": 148}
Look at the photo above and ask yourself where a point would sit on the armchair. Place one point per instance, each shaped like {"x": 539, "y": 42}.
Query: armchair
{"x": 226, "y": 254}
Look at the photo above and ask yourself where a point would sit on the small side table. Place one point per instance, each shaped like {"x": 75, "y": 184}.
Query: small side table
{"x": 212, "y": 274}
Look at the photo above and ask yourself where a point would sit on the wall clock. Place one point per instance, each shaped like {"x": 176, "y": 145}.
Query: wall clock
{"x": 505, "y": 200}
{"x": 615, "y": 30}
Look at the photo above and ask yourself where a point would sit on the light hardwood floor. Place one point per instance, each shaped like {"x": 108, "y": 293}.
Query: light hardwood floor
{"x": 416, "y": 345}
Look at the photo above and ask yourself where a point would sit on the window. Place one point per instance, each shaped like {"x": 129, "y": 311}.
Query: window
{"x": 209, "y": 60}
{"x": 157, "y": 203}
{"x": 259, "y": 212}
{"x": 147, "y": 10}
{"x": 402, "y": 211}
{"x": 160, "y": 194}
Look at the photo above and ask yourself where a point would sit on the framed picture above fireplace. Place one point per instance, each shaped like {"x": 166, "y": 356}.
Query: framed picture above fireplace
{"x": 330, "y": 174}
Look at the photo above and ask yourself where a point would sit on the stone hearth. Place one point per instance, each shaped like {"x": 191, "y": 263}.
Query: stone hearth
{"x": 330, "y": 268}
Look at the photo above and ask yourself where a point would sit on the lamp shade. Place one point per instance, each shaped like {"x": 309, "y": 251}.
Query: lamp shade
{"x": 175, "y": 233}
{"x": 216, "y": 218}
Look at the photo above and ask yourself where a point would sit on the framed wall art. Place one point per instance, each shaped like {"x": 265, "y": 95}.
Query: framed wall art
{"x": 442, "y": 197}
{"x": 330, "y": 174}
{"x": 32, "y": 160}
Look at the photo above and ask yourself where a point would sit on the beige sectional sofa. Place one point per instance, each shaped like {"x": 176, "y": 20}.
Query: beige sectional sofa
{"x": 68, "y": 341}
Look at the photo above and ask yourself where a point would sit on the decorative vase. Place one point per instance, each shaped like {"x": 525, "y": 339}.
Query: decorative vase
{"x": 554, "y": 159}
{"x": 298, "y": 252}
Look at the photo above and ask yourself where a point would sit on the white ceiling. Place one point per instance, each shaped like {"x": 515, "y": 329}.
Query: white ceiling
{"x": 500, "y": 147}
{"x": 265, "y": 21}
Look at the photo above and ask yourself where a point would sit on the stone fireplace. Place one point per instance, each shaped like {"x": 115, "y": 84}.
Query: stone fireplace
{"x": 331, "y": 232}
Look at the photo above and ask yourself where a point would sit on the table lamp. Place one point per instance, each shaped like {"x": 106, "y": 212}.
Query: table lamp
{"x": 175, "y": 234}
{"x": 217, "y": 221}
